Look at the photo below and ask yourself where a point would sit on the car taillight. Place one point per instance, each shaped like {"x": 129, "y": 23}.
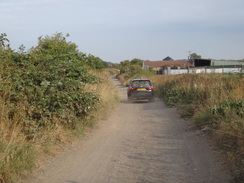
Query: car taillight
{"x": 150, "y": 88}
{"x": 132, "y": 89}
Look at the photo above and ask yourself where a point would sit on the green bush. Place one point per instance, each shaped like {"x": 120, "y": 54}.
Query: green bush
{"x": 48, "y": 81}
{"x": 224, "y": 108}
{"x": 135, "y": 71}
{"x": 41, "y": 89}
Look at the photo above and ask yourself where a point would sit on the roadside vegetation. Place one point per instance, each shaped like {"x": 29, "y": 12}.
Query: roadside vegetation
{"x": 49, "y": 95}
{"x": 133, "y": 69}
{"x": 215, "y": 104}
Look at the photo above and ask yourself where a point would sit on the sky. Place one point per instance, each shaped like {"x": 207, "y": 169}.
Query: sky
{"x": 118, "y": 30}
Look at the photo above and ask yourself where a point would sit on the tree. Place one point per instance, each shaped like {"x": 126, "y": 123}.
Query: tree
{"x": 136, "y": 61}
{"x": 167, "y": 59}
{"x": 195, "y": 56}
{"x": 55, "y": 45}
{"x": 95, "y": 62}
{"x": 54, "y": 54}
{"x": 124, "y": 66}
{"x": 3, "y": 39}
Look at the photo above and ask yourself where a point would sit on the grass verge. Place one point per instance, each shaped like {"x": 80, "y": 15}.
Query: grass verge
{"x": 214, "y": 102}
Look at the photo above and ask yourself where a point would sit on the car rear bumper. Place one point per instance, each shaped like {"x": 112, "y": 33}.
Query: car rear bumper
{"x": 141, "y": 95}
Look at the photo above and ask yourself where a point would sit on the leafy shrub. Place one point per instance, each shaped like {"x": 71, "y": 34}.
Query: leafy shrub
{"x": 48, "y": 81}
{"x": 236, "y": 106}
{"x": 42, "y": 90}
{"x": 135, "y": 71}
{"x": 95, "y": 62}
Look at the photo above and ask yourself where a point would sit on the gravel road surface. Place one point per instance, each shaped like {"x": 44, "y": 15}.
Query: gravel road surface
{"x": 138, "y": 143}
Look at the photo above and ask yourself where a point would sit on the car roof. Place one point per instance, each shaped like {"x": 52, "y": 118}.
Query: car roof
{"x": 140, "y": 79}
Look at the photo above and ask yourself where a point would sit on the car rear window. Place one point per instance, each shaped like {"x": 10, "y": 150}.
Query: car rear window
{"x": 141, "y": 83}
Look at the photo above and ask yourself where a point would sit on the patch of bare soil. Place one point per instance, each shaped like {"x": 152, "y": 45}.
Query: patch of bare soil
{"x": 138, "y": 143}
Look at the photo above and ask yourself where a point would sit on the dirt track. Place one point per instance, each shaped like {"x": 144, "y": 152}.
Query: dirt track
{"x": 138, "y": 143}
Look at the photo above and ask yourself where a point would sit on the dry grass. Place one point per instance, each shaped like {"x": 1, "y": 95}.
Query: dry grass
{"x": 214, "y": 101}
{"x": 17, "y": 156}
{"x": 123, "y": 80}
{"x": 107, "y": 92}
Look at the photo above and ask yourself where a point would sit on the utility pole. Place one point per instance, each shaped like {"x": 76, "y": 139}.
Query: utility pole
{"x": 189, "y": 56}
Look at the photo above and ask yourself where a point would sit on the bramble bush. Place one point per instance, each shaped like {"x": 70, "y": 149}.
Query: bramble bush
{"x": 41, "y": 89}
{"x": 49, "y": 81}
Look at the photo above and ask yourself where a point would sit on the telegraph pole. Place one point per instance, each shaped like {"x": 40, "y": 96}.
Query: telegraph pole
{"x": 189, "y": 56}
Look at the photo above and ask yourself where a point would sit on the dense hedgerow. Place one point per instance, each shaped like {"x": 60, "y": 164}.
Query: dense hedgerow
{"x": 42, "y": 90}
{"x": 48, "y": 81}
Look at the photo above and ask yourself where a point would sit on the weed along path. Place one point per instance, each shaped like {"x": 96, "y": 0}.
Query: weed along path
{"x": 138, "y": 143}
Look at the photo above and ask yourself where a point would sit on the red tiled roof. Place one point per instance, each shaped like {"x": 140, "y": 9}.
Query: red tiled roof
{"x": 154, "y": 64}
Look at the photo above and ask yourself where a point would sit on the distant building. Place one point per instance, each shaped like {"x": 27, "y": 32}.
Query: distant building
{"x": 159, "y": 66}
{"x": 226, "y": 62}
{"x": 201, "y": 62}
{"x": 195, "y": 66}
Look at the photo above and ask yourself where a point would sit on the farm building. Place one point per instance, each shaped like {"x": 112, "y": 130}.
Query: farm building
{"x": 194, "y": 66}
{"x": 159, "y": 66}
{"x": 226, "y": 62}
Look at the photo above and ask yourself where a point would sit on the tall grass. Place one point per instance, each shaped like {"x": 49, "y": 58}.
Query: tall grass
{"x": 107, "y": 92}
{"x": 17, "y": 156}
{"x": 214, "y": 102}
